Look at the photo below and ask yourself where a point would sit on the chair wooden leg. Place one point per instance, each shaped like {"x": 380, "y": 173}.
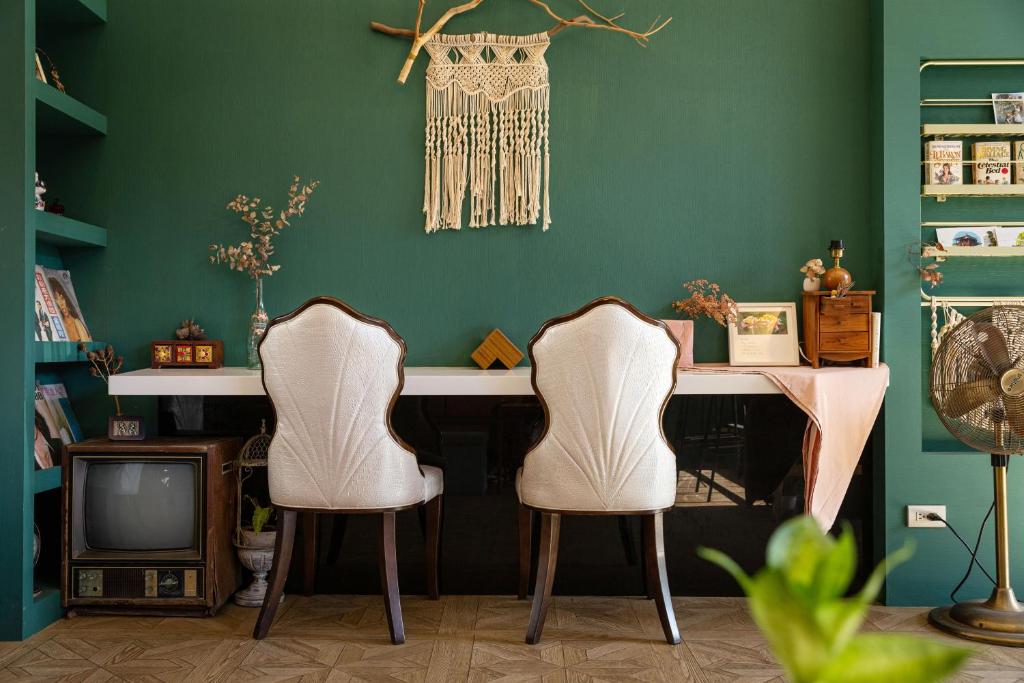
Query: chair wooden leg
{"x": 310, "y": 528}
{"x": 550, "y": 523}
{"x": 339, "y": 523}
{"x": 389, "y": 578}
{"x": 657, "y": 575}
{"x": 434, "y": 509}
{"x": 525, "y": 549}
{"x": 278, "y": 572}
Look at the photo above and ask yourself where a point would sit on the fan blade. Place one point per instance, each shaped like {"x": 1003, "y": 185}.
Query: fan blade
{"x": 1015, "y": 413}
{"x": 968, "y": 396}
{"x": 993, "y": 347}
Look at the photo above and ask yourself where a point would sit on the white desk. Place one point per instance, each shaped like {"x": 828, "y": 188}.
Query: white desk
{"x": 419, "y": 381}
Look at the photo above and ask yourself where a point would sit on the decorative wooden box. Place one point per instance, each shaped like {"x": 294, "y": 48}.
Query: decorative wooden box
{"x": 207, "y": 353}
{"x": 838, "y": 329}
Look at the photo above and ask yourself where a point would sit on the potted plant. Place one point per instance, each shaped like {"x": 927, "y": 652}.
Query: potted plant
{"x": 801, "y": 602}
{"x": 812, "y": 270}
{"x": 706, "y": 300}
{"x": 256, "y": 553}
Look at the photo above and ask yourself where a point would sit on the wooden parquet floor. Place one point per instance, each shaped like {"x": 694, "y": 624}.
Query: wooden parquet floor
{"x": 459, "y": 638}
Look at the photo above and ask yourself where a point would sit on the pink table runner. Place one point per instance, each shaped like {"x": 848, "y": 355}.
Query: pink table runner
{"x": 841, "y": 404}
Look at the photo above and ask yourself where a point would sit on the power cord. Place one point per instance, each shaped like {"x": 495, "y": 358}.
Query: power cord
{"x": 973, "y": 552}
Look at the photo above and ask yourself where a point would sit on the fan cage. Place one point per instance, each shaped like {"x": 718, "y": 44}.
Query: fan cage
{"x": 959, "y": 361}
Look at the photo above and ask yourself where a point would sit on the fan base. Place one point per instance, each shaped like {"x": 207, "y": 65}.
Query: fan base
{"x": 998, "y": 620}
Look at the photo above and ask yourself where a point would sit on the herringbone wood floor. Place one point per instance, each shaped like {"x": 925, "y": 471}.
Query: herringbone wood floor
{"x": 459, "y": 638}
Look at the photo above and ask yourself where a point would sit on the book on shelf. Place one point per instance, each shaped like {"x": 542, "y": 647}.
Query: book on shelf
{"x": 876, "y": 338}
{"x": 1018, "y": 157}
{"x": 991, "y": 162}
{"x": 1008, "y": 107}
{"x": 62, "y": 294}
{"x": 47, "y": 322}
{"x": 944, "y": 162}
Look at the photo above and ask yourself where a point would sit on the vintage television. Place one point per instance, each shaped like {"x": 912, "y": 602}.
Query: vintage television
{"x": 148, "y": 526}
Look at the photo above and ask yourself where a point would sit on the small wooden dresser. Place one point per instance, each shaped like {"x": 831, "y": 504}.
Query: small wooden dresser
{"x": 838, "y": 329}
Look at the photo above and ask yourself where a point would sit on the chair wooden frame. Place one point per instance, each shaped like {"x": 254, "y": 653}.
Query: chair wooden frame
{"x": 655, "y": 571}
{"x": 288, "y": 516}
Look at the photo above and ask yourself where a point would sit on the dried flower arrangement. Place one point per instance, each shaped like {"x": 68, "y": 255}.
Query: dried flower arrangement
{"x": 253, "y": 257}
{"x": 189, "y": 330}
{"x": 707, "y": 300}
{"x": 104, "y": 364}
{"x": 813, "y": 268}
{"x": 929, "y": 273}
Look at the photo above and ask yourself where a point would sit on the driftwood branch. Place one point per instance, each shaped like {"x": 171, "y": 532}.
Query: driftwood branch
{"x": 592, "y": 19}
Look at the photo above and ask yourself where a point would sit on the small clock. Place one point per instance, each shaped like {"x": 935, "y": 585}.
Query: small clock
{"x": 125, "y": 428}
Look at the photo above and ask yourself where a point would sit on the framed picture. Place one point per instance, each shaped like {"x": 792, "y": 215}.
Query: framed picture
{"x": 764, "y": 334}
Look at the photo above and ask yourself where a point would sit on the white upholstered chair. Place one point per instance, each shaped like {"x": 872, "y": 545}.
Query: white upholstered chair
{"x": 333, "y": 376}
{"x": 604, "y": 375}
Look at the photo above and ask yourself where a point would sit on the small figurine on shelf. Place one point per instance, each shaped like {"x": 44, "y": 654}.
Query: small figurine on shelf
{"x": 190, "y": 330}
{"x": 40, "y": 191}
{"x": 56, "y": 207}
{"x": 812, "y": 271}
{"x": 837, "y": 276}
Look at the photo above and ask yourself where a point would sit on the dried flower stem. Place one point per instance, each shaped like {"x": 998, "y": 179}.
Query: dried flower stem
{"x": 707, "y": 300}
{"x": 104, "y": 364}
{"x": 253, "y": 257}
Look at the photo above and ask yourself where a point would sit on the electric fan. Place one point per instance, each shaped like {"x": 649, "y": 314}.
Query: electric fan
{"x": 977, "y": 388}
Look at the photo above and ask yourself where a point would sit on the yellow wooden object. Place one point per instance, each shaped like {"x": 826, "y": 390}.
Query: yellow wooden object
{"x": 497, "y": 347}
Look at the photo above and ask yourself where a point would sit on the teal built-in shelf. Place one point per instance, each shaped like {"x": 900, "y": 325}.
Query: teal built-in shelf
{"x": 60, "y": 231}
{"x": 64, "y": 352}
{"x": 71, "y": 11}
{"x": 46, "y": 480}
{"x": 44, "y": 609}
{"x": 59, "y": 114}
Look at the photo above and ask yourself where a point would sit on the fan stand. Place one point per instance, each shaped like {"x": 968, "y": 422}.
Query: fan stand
{"x": 1000, "y": 619}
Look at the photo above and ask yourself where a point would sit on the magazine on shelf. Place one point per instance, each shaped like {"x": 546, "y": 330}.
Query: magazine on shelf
{"x": 46, "y": 442}
{"x": 1008, "y": 107}
{"x": 53, "y": 404}
{"x": 47, "y": 321}
{"x": 991, "y": 162}
{"x": 944, "y": 162}
{"x": 1010, "y": 237}
{"x": 63, "y": 295}
{"x": 966, "y": 236}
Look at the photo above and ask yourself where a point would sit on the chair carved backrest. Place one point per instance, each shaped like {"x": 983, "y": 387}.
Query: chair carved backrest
{"x": 604, "y": 375}
{"x": 333, "y": 376}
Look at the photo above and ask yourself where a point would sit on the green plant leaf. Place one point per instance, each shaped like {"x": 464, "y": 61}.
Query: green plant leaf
{"x": 839, "y": 620}
{"x": 728, "y": 564}
{"x": 894, "y": 658}
{"x": 796, "y": 549}
{"x": 873, "y": 586}
{"x": 796, "y": 641}
{"x": 836, "y": 568}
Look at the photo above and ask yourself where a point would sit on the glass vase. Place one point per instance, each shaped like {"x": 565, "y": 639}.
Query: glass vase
{"x": 257, "y": 326}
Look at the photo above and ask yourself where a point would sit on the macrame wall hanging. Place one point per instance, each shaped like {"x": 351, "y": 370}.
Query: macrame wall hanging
{"x": 488, "y": 117}
{"x": 487, "y": 131}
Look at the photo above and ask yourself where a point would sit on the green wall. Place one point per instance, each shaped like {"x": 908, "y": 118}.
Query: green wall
{"x": 733, "y": 148}
{"x": 922, "y": 465}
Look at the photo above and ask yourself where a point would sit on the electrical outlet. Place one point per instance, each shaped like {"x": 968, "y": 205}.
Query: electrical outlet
{"x": 917, "y": 515}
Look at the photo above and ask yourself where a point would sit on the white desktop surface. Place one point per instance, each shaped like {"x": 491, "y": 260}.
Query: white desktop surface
{"x": 419, "y": 381}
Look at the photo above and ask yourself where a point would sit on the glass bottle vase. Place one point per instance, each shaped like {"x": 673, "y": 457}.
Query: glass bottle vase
{"x": 257, "y": 326}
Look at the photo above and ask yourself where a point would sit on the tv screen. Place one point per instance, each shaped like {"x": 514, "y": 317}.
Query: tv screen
{"x": 132, "y": 506}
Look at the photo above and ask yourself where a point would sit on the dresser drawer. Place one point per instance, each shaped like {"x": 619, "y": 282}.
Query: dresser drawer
{"x": 854, "y": 322}
{"x": 844, "y": 341}
{"x": 849, "y": 304}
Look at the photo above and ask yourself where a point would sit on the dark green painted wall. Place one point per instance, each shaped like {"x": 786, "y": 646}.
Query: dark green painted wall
{"x": 732, "y": 148}
{"x": 911, "y": 31}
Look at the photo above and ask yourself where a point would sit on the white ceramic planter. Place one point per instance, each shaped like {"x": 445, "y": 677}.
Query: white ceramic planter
{"x": 257, "y": 555}
{"x": 812, "y": 284}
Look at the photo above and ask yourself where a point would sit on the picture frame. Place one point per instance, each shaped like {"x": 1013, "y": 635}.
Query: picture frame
{"x": 764, "y": 334}
{"x": 125, "y": 428}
